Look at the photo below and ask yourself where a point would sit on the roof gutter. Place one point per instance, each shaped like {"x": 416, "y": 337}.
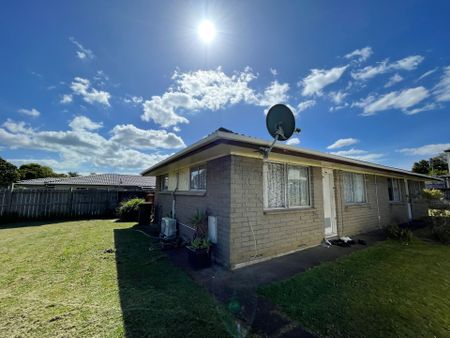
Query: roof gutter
{"x": 253, "y": 143}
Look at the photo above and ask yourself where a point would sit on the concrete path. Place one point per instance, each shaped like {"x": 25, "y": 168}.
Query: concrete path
{"x": 238, "y": 289}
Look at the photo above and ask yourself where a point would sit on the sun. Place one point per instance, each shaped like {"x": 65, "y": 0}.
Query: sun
{"x": 206, "y": 31}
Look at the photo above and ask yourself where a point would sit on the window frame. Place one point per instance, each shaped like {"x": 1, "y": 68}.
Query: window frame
{"x": 197, "y": 168}
{"x": 352, "y": 174}
{"x": 400, "y": 190}
{"x": 162, "y": 185}
{"x": 286, "y": 201}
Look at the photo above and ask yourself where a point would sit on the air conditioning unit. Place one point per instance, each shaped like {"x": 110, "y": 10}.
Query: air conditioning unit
{"x": 168, "y": 228}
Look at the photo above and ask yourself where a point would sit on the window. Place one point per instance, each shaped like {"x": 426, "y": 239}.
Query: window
{"x": 415, "y": 189}
{"x": 286, "y": 186}
{"x": 394, "y": 189}
{"x": 354, "y": 188}
{"x": 164, "y": 182}
{"x": 198, "y": 178}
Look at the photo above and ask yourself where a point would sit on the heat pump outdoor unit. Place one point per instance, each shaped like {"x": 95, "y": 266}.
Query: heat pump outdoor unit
{"x": 168, "y": 228}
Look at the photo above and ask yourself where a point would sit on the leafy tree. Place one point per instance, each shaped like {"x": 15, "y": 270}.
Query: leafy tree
{"x": 34, "y": 170}
{"x": 421, "y": 167}
{"x": 73, "y": 174}
{"x": 8, "y": 173}
{"x": 435, "y": 166}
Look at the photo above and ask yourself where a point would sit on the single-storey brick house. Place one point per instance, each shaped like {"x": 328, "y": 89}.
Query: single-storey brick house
{"x": 292, "y": 201}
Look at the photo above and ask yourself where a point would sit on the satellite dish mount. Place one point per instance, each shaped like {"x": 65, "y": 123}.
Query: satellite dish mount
{"x": 280, "y": 123}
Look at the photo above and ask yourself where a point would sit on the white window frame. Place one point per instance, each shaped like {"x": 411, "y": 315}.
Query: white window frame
{"x": 399, "y": 182}
{"x": 352, "y": 174}
{"x": 286, "y": 187}
{"x": 162, "y": 186}
{"x": 197, "y": 168}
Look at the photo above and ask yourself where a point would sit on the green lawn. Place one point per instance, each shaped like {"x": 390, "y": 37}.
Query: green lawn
{"x": 60, "y": 279}
{"x": 388, "y": 290}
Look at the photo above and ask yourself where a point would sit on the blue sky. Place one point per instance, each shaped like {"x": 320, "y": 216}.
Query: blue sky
{"x": 113, "y": 86}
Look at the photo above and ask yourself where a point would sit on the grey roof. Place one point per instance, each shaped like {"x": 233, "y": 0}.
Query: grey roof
{"x": 223, "y": 134}
{"x": 100, "y": 179}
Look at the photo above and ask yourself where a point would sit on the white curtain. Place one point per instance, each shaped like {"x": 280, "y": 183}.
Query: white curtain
{"x": 354, "y": 188}
{"x": 275, "y": 185}
{"x": 298, "y": 186}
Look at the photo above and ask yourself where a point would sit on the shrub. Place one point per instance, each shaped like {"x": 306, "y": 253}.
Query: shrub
{"x": 442, "y": 232}
{"x": 393, "y": 231}
{"x": 129, "y": 210}
{"x": 198, "y": 221}
{"x": 432, "y": 194}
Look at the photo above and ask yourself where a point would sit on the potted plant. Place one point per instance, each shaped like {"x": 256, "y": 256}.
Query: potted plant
{"x": 199, "y": 253}
{"x": 199, "y": 250}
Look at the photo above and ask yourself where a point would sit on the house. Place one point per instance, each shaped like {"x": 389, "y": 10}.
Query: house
{"x": 292, "y": 201}
{"x": 101, "y": 182}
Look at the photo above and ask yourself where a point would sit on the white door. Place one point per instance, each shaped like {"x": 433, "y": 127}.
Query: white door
{"x": 329, "y": 203}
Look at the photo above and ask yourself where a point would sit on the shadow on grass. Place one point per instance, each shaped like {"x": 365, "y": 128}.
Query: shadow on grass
{"x": 157, "y": 299}
{"x": 25, "y": 224}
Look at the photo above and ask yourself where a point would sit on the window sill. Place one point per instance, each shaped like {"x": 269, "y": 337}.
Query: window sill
{"x": 184, "y": 193}
{"x": 396, "y": 202}
{"x": 352, "y": 205}
{"x": 287, "y": 210}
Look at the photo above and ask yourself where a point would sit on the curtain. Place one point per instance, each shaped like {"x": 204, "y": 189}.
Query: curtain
{"x": 359, "y": 188}
{"x": 298, "y": 186}
{"x": 354, "y": 188}
{"x": 275, "y": 185}
{"x": 348, "y": 188}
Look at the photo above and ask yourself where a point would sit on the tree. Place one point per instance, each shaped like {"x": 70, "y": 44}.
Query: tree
{"x": 73, "y": 174}
{"x": 8, "y": 173}
{"x": 421, "y": 167}
{"x": 435, "y": 166}
{"x": 34, "y": 170}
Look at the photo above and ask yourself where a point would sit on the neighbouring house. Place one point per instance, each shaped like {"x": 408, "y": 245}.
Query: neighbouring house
{"x": 101, "y": 182}
{"x": 292, "y": 201}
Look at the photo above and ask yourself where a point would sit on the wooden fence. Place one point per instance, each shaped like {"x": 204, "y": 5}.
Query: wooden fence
{"x": 44, "y": 204}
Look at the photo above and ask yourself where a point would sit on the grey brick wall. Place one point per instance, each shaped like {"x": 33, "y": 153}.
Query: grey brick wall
{"x": 274, "y": 232}
{"x": 215, "y": 201}
{"x": 235, "y": 195}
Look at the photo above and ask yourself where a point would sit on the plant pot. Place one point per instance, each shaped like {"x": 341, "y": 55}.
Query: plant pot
{"x": 199, "y": 258}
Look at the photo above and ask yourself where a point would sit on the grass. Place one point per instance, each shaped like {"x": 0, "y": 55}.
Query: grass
{"x": 97, "y": 278}
{"x": 388, "y": 290}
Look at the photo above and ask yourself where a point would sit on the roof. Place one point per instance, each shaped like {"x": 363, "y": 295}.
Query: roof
{"x": 100, "y": 179}
{"x": 225, "y": 136}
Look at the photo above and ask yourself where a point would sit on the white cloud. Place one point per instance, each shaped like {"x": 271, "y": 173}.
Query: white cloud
{"x": 403, "y": 100}
{"x": 33, "y": 112}
{"x": 426, "y": 74}
{"x": 81, "y": 146}
{"x": 176, "y": 129}
{"x": 343, "y": 142}
{"x": 442, "y": 89}
{"x": 319, "y": 79}
{"x": 275, "y": 93}
{"x": 338, "y": 96}
{"x": 82, "y": 87}
{"x": 426, "y": 150}
{"x": 131, "y": 136}
{"x": 361, "y": 54}
{"x": 273, "y": 71}
{"x": 396, "y": 78}
{"x": 427, "y": 107}
{"x": 134, "y": 100}
{"x": 359, "y": 154}
{"x": 293, "y": 141}
{"x": 208, "y": 90}
{"x": 82, "y": 52}
{"x": 66, "y": 98}
{"x": 84, "y": 123}
{"x": 408, "y": 63}
{"x": 305, "y": 105}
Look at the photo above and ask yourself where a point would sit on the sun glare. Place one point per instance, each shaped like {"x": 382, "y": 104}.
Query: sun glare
{"x": 206, "y": 31}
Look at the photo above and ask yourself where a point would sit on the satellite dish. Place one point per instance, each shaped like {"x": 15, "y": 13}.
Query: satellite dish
{"x": 280, "y": 123}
